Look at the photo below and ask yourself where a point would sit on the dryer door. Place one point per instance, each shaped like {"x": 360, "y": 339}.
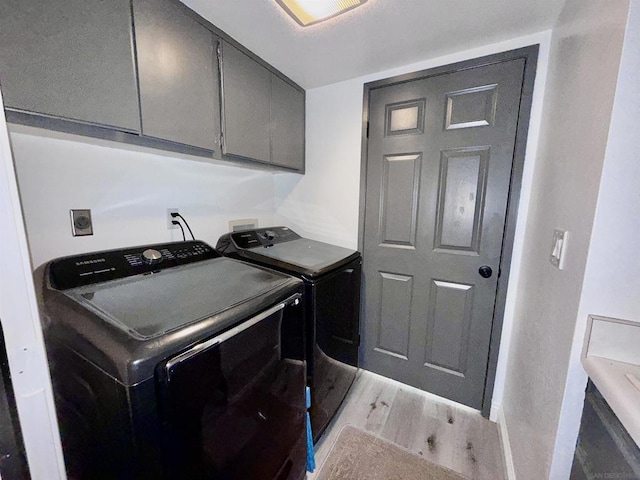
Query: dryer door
{"x": 233, "y": 408}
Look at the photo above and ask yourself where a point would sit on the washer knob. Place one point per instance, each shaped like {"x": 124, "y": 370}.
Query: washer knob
{"x": 151, "y": 256}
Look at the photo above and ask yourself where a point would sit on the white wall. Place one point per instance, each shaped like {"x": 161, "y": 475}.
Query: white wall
{"x": 128, "y": 193}
{"x": 324, "y": 203}
{"x": 585, "y": 55}
{"x": 611, "y": 281}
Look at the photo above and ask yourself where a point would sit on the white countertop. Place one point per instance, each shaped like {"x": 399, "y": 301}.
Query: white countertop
{"x": 609, "y": 376}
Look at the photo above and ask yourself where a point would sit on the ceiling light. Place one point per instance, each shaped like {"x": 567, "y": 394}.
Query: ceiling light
{"x": 308, "y": 12}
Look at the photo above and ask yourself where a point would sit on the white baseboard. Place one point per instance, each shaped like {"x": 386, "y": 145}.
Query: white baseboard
{"x": 504, "y": 438}
{"x": 495, "y": 412}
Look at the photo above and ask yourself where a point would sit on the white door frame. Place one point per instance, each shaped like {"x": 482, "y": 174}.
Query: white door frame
{"x": 22, "y": 330}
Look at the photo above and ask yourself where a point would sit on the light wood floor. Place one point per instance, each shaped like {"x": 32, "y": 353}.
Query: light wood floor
{"x": 451, "y": 435}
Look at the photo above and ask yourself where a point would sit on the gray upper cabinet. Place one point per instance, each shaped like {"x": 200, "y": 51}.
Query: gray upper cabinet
{"x": 246, "y": 87}
{"x": 71, "y": 59}
{"x": 262, "y": 115}
{"x": 177, "y": 71}
{"x": 146, "y": 72}
{"x": 287, "y": 125}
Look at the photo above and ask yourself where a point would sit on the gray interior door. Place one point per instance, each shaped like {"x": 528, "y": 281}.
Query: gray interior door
{"x": 439, "y": 160}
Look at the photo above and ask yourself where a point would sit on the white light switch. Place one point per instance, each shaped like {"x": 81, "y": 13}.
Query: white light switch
{"x": 558, "y": 248}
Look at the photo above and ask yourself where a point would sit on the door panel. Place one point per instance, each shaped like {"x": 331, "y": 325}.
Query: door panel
{"x": 472, "y": 107}
{"x": 449, "y": 317}
{"x": 395, "y": 315}
{"x": 463, "y": 179}
{"x": 405, "y": 118}
{"x": 398, "y": 219}
{"x": 440, "y": 151}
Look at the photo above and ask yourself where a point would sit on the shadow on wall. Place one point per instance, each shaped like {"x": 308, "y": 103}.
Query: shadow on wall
{"x": 129, "y": 193}
{"x": 312, "y": 219}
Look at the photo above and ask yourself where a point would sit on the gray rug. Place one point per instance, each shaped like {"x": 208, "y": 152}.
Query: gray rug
{"x": 358, "y": 455}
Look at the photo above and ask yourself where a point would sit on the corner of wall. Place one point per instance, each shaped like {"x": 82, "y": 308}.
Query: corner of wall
{"x": 617, "y": 195}
{"x": 582, "y": 61}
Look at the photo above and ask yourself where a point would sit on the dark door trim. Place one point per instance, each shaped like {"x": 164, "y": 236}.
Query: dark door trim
{"x": 530, "y": 55}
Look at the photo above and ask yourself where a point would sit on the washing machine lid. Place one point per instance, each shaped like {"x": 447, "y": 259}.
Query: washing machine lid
{"x": 151, "y": 305}
{"x": 302, "y": 256}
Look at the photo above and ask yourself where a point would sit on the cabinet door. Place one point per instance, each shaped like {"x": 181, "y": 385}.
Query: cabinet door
{"x": 287, "y": 125}
{"x": 246, "y": 92}
{"x": 177, "y": 70}
{"x": 605, "y": 449}
{"x": 71, "y": 59}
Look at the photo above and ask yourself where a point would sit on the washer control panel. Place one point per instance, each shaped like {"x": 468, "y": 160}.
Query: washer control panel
{"x": 96, "y": 267}
{"x": 263, "y": 237}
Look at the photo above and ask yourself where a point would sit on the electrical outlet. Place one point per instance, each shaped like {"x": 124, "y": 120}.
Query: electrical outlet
{"x": 170, "y": 219}
{"x": 81, "y": 223}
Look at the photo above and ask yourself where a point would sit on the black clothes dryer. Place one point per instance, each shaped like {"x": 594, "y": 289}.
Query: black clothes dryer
{"x": 332, "y": 277}
{"x": 166, "y": 363}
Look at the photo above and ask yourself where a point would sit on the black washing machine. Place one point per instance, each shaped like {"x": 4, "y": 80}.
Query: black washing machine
{"x": 167, "y": 362}
{"x": 332, "y": 277}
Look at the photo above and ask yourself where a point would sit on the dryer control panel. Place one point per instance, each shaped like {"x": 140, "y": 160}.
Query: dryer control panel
{"x": 262, "y": 237}
{"x": 89, "y": 268}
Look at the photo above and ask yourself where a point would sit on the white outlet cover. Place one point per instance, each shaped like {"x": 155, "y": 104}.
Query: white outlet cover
{"x": 170, "y": 219}
{"x": 243, "y": 224}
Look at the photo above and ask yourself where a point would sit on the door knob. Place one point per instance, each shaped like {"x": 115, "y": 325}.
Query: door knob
{"x": 485, "y": 271}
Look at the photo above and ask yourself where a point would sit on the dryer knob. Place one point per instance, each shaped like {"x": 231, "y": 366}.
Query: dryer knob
{"x": 151, "y": 256}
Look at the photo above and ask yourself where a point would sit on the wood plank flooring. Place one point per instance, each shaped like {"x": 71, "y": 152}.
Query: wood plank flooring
{"x": 444, "y": 432}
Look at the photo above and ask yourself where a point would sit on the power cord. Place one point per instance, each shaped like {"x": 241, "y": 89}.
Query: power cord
{"x": 176, "y": 214}
{"x": 176, "y": 222}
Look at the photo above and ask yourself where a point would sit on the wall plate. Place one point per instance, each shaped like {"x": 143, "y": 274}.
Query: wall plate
{"x": 81, "y": 223}
{"x": 170, "y": 219}
{"x": 243, "y": 224}
{"x": 558, "y": 248}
